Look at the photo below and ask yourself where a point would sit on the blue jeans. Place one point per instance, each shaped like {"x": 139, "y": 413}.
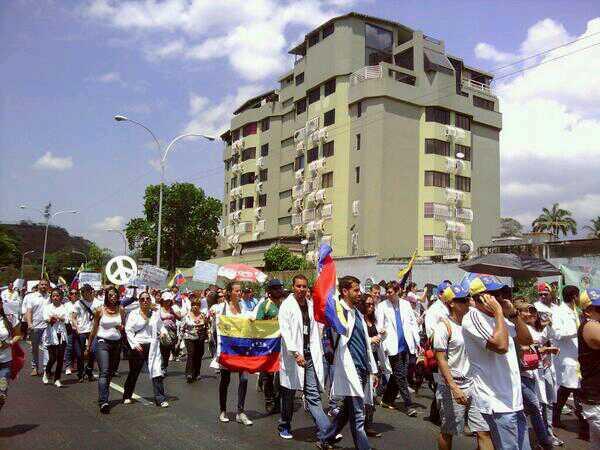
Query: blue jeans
{"x": 69, "y": 351}
{"x": 107, "y": 355}
{"x": 531, "y": 404}
{"x": 79, "y": 346}
{"x": 4, "y": 378}
{"x": 313, "y": 401}
{"x": 508, "y": 430}
{"x": 329, "y": 370}
{"x": 353, "y": 410}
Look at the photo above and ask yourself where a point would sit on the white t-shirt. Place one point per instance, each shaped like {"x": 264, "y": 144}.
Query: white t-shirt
{"x": 35, "y": 303}
{"x": 56, "y": 333}
{"x": 11, "y": 303}
{"x": 433, "y": 315}
{"x": 496, "y": 378}
{"x": 83, "y": 318}
{"x": 455, "y": 352}
{"x": 6, "y": 352}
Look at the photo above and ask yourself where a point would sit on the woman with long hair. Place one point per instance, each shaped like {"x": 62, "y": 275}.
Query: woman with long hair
{"x": 55, "y": 335}
{"x": 169, "y": 314}
{"x": 232, "y": 307}
{"x": 9, "y": 335}
{"x": 195, "y": 332}
{"x": 108, "y": 326}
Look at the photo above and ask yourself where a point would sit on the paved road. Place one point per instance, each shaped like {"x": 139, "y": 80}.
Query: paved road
{"x": 44, "y": 417}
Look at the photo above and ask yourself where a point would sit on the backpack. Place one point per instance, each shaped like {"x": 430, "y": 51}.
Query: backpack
{"x": 429, "y": 361}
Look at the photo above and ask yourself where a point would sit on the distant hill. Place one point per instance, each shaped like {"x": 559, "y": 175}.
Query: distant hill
{"x": 30, "y": 236}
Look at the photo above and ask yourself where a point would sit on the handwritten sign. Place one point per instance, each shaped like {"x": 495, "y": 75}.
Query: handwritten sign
{"x": 153, "y": 276}
{"x": 205, "y": 272}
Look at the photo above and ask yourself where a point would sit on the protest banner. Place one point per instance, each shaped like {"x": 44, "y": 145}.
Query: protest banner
{"x": 205, "y": 272}
{"x": 153, "y": 276}
{"x": 94, "y": 279}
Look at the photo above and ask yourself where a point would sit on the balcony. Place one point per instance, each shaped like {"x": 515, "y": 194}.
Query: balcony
{"x": 366, "y": 73}
{"x": 477, "y": 86}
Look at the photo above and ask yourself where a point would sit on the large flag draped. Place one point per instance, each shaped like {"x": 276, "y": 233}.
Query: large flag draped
{"x": 327, "y": 309}
{"x": 405, "y": 272}
{"x": 248, "y": 345}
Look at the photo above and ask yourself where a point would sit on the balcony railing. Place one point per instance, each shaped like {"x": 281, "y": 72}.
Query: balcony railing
{"x": 477, "y": 86}
{"x": 366, "y": 73}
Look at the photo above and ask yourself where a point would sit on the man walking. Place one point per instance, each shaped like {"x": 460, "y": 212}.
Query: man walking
{"x": 33, "y": 305}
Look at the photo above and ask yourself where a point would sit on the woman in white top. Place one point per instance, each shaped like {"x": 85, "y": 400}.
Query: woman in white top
{"x": 9, "y": 335}
{"x": 55, "y": 336}
{"x": 169, "y": 314}
{"x": 108, "y": 325}
{"x": 232, "y": 307}
{"x": 143, "y": 329}
{"x": 195, "y": 332}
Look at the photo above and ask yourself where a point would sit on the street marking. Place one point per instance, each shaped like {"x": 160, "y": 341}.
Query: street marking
{"x": 134, "y": 396}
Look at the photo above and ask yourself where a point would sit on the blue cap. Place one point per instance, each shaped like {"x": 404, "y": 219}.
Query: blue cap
{"x": 455, "y": 291}
{"x": 485, "y": 283}
{"x": 589, "y": 297}
{"x": 442, "y": 286}
{"x": 274, "y": 283}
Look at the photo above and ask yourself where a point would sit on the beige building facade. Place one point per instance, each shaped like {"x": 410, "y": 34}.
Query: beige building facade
{"x": 377, "y": 141}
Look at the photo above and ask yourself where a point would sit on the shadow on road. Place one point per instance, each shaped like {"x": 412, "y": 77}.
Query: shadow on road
{"x": 15, "y": 430}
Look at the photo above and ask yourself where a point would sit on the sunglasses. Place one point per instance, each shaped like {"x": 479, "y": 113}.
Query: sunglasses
{"x": 369, "y": 304}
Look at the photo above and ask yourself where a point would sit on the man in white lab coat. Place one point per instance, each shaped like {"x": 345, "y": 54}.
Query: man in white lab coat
{"x": 301, "y": 358}
{"x": 397, "y": 321}
{"x": 353, "y": 354}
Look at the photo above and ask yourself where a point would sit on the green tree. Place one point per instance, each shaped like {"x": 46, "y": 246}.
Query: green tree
{"x": 594, "y": 228}
{"x": 9, "y": 248}
{"x": 556, "y": 221}
{"x": 189, "y": 225}
{"x": 279, "y": 258}
{"x": 97, "y": 258}
{"x": 510, "y": 227}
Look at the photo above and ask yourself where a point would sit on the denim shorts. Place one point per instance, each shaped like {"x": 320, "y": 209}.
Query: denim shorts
{"x": 453, "y": 416}
{"x": 4, "y": 377}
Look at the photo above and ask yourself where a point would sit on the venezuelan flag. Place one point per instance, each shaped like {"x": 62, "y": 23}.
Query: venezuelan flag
{"x": 248, "y": 346}
{"x": 327, "y": 308}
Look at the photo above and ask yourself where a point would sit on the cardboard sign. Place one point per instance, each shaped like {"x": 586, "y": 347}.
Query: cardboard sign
{"x": 94, "y": 279}
{"x": 205, "y": 272}
{"x": 19, "y": 283}
{"x": 153, "y": 276}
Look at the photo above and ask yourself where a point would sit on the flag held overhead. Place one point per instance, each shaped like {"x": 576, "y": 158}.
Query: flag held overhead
{"x": 327, "y": 309}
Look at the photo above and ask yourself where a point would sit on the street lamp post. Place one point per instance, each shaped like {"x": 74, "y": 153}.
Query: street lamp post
{"x": 23, "y": 255}
{"x": 163, "y": 163}
{"x": 82, "y": 254}
{"x": 122, "y": 236}
{"x": 46, "y": 213}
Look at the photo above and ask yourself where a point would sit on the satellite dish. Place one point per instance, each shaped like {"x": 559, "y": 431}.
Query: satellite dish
{"x": 465, "y": 248}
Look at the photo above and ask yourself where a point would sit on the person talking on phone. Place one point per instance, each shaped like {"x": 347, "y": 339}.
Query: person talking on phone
{"x": 487, "y": 332}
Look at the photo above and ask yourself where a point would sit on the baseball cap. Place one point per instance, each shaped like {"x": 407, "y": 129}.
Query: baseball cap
{"x": 485, "y": 283}
{"x": 543, "y": 288}
{"x": 442, "y": 287}
{"x": 589, "y": 297}
{"x": 167, "y": 296}
{"x": 274, "y": 283}
{"x": 454, "y": 291}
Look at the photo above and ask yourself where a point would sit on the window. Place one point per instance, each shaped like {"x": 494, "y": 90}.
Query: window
{"x": 227, "y": 163}
{"x": 437, "y": 179}
{"x": 262, "y": 200}
{"x": 287, "y": 103}
{"x": 314, "y": 95}
{"x": 287, "y": 168}
{"x": 405, "y": 59}
{"x": 328, "y": 149}
{"x": 235, "y": 135}
{"x": 263, "y": 175}
{"x": 287, "y": 220}
{"x": 428, "y": 210}
{"x": 235, "y": 158}
{"x": 265, "y": 124}
{"x": 301, "y": 106}
{"x": 427, "y": 242}
{"x": 464, "y": 150}
{"x": 329, "y": 117}
{"x": 328, "y": 30}
{"x": 483, "y": 103}
{"x": 299, "y": 79}
{"x": 438, "y": 115}
{"x": 378, "y": 45}
{"x": 463, "y": 183}
{"x": 357, "y": 174}
{"x": 327, "y": 180}
{"x": 285, "y": 194}
{"x": 402, "y": 77}
{"x": 248, "y": 153}
{"x": 463, "y": 122}
{"x": 249, "y": 128}
{"x": 313, "y": 39}
{"x": 359, "y": 109}
{"x": 248, "y": 202}
{"x": 247, "y": 178}
{"x": 437, "y": 147}
{"x": 329, "y": 87}
{"x": 264, "y": 150}
{"x": 299, "y": 162}
{"x": 227, "y": 186}
{"x": 288, "y": 117}
{"x": 286, "y": 142}
{"x": 358, "y": 142}
{"x": 233, "y": 182}
{"x": 312, "y": 155}
{"x": 232, "y": 205}
{"x": 240, "y": 203}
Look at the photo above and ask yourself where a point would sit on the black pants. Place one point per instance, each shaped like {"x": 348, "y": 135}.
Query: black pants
{"x": 56, "y": 354}
{"x": 270, "y": 384}
{"x": 561, "y": 399}
{"x": 79, "y": 347}
{"x": 195, "y": 352}
{"x": 398, "y": 382}
{"x": 136, "y": 362}
{"x": 224, "y": 386}
{"x": 165, "y": 353}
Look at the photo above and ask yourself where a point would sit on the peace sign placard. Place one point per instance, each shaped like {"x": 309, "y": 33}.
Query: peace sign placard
{"x": 121, "y": 270}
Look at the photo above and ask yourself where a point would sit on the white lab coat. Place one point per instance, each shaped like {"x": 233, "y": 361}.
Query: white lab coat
{"x": 386, "y": 320}
{"x": 154, "y": 356}
{"x": 346, "y": 382}
{"x": 291, "y": 375}
{"x": 565, "y": 322}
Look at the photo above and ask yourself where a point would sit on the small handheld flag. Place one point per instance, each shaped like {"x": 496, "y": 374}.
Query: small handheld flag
{"x": 327, "y": 309}
{"x": 405, "y": 272}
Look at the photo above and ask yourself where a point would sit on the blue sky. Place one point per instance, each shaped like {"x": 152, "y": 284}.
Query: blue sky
{"x": 68, "y": 67}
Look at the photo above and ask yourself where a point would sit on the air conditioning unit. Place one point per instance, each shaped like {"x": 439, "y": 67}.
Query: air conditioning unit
{"x": 237, "y": 216}
{"x": 300, "y": 134}
{"x": 297, "y": 191}
{"x": 464, "y": 214}
{"x": 259, "y": 186}
{"x": 236, "y": 192}
{"x": 298, "y": 230}
{"x": 238, "y": 145}
{"x": 310, "y": 199}
{"x": 322, "y": 134}
{"x": 312, "y": 125}
{"x": 244, "y": 227}
{"x": 455, "y": 227}
{"x": 300, "y": 148}
{"x": 308, "y": 215}
{"x": 320, "y": 196}
{"x": 356, "y": 208}
{"x": 298, "y": 204}
{"x": 231, "y": 217}
{"x": 258, "y": 212}
{"x": 261, "y": 162}
{"x": 313, "y": 138}
{"x": 320, "y": 225}
{"x": 311, "y": 227}
{"x": 296, "y": 219}
{"x": 234, "y": 239}
{"x": 454, "y": 165}
{"x": 307, "y": 186}
{"x": 229, "y": 230}
{"x": 327, "y": 211}
{"x": 236, "y": 168}
{"x": 454, "y": 195}
{"x": 299, "y": 174}
{"x": 260, "y": 226}
{"x": 454, "y": 133}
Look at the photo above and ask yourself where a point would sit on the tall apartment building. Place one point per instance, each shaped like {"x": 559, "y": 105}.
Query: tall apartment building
{"x": 376, "y": 141}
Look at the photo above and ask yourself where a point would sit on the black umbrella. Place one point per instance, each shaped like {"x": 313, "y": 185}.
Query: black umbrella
{"x": 509, "y": 265}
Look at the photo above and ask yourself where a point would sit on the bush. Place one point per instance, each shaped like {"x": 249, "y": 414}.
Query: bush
{"x": 280, "y": 258}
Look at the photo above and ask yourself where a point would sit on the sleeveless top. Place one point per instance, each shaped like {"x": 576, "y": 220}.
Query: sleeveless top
{"x": 107, "y": 328}
{"x": 589, "y": 361}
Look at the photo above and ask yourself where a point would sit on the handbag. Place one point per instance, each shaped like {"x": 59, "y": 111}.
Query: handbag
{"x": 530, "y": 359}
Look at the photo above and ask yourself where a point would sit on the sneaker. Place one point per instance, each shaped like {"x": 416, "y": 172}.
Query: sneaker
{"x": 127, "y": 401}
{"x": 223, "y": 417}
{"x": 556, "y": 442}
{"x": 410, "y": 412}
{"x": 189, "y": 379}
{"x": 333, "y": 412}
{"x": 58, "y": 384}
{"x": 68, "y": 371}
{"x": 285, "y": 434}
{"x": 373, "y": 433}
{"x": 164, "y": 404}
{"x": 105, "y": 408}
{"x": 81, "y": 380}
{"x": 45, "y": 379}
{"x": 387, "y": 405}
{"x": 243, "y": 419}
{"x": 338, "y": 437}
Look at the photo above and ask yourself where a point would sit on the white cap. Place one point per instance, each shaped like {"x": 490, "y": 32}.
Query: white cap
{"x": 167, "y": 296}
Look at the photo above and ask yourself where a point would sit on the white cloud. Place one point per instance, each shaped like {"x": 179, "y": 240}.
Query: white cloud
{"x": 110, "y": 223}
{"x": 519, "y": 189}
{"x": 50, "y": 162}
{"x": 107, "y": 78}
{"x": 487, "y": 51}
{"x": 544, "y": 34}
{"x": 587, "y": 206}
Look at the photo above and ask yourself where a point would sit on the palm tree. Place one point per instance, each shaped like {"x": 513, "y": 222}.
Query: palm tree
{"x": 594, "y": 229}
{"x": 555, "y": 220}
